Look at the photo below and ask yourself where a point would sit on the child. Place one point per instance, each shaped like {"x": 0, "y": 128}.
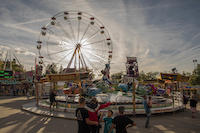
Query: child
{"x": 108, "y": 122}
{"x": 93, "y": 108}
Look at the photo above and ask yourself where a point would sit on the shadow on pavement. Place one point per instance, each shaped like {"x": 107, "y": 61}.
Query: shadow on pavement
{"x": 27, "y": 123}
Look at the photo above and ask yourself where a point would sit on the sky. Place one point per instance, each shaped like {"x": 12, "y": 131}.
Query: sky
{"x": 162, "y": 34}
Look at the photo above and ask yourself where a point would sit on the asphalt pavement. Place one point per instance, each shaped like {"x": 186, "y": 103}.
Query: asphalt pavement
{"x": 14, "y": 120}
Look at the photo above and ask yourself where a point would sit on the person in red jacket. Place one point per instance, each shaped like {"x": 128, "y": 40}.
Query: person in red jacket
{"x": 93, "y": 108}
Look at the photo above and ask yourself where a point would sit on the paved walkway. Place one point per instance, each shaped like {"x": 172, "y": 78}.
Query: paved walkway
{"x": 14, "y": 120}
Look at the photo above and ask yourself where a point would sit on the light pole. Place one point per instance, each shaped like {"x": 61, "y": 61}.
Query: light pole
{"x": 194, "y": 61}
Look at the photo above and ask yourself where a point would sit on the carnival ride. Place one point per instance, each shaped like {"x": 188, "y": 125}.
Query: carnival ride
{"x": 81, "y": 43}
{"x": 75, "y": 40}
{"x": 14, "y": 79}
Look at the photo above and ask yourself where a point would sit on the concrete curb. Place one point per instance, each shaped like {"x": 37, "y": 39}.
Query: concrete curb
{"x": 46, "y": 113}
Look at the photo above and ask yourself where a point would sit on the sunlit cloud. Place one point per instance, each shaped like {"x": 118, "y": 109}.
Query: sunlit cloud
{"x": 24, "y": 51}
{"x": 162, "y": 34}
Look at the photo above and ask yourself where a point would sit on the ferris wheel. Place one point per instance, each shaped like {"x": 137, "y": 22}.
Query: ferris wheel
{"x": 75, "y": 40}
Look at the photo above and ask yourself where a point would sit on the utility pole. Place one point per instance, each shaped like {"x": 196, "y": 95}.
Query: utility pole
{"x": 195, "y": 61}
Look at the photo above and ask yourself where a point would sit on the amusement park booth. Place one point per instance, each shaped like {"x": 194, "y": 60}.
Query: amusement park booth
{"x": 50, "y": 82}
{"x": 174, "y": 80}
{"x": 15, "y": 83}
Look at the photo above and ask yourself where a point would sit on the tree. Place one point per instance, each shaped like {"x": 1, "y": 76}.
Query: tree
{"x": 195, "y": 78}
{"x": 142, "y": 76}
{"x": 152, "y": 75}
{"x": 51, "y": 69}
{"x": 147, "y": 76}
{"x": 61, "y": 69}
{"x": 186, "y": 74}
{"x": 117, "y": 75}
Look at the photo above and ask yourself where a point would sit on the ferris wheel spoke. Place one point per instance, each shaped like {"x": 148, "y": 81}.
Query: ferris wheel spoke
{"x": 59, "y": 51}
{"x": 93, "y": 35}
{"x": 51, "y": 43}
{"x": 61, "y": 59}
{"x": 97, "y": 62}
{"x": 94, "y": 43}
{"x": 78, "y": 31}
{"x": 59, "y": 37}
{"x": 55, "y": 37}
{"x": 64, "y": 31}
{"x": 70, "y": 25}
{"x": 84, "y": 33}
{"x": 64, "y": 56}
{"x": 100, "y": 62}
{"x": 95, "y": 49}
{"x": 91, "y": 64}
{"x": 96, "y": 55}
{"x": 100, "y": 55}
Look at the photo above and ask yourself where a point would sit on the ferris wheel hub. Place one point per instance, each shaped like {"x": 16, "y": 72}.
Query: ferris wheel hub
{"x": 78, "y": 46}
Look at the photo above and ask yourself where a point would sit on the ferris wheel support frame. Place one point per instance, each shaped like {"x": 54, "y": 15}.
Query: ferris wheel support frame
{"x": 81, "y": 61}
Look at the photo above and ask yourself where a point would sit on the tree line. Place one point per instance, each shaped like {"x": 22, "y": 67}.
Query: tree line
{"x": 194, "y": 77}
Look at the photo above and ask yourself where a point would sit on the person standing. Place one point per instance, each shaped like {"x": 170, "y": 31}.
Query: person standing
{"x": 147, "y": 108}
{"x": 185, "y": 100}
{"x": 27, "y": 94}
{"x": 193, "y": 105}
{"x": 107, "y": 121}
{"x": 93, "y": 108}
{"x": 52, "y": 99}
{"x": 83, "y": 118}
{"x": 121, "y": 122}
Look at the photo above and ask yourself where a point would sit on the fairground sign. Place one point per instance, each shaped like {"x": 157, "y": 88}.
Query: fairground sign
{"x": 67, "y": 77}
{"x": 174, "y": 77}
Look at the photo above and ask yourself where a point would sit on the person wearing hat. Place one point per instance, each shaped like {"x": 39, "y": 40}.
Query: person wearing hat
{"x": 93, "y": 108}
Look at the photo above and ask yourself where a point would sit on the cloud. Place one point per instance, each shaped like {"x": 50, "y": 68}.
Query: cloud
{"x": 162, "y": 34}
{"x": 3, "y": 51}
{"x": 21, "y": 28}
{"x": 24, "y": 51}
{"x": 33, "y": 21}
{"x": 3, "y": 47}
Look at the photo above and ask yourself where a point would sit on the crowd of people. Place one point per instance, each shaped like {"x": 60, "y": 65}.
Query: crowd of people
{"x": 23, "y": 89}
{"x": 89, "y": 118}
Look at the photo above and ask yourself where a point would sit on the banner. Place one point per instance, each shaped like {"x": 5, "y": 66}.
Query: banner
{"x": 6, "y": 74}
{"x": 174, "y": 77}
